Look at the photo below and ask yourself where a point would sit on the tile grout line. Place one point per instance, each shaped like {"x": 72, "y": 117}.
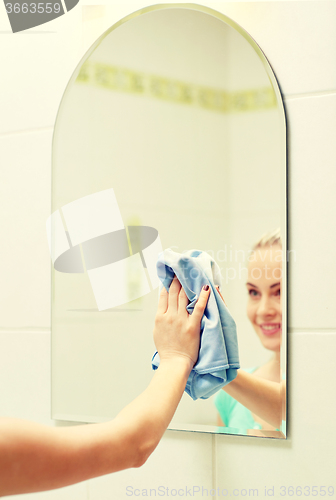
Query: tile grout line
{"x": 214, "y": 462}
{"x": 312, "y": 331}
{"x": 26, "y": 131}
{"x": 322, "y": 93}
{"x": 21, "y": 329}
{"x": 303, "y": 328}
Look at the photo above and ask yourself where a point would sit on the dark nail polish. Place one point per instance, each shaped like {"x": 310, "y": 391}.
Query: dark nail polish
{"x": 206, "y": 287}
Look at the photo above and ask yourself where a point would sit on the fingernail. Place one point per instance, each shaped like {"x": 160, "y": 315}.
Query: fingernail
{"x": 206, "y": 287}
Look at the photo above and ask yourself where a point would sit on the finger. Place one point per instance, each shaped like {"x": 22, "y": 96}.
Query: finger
{"x": 201, "y": 304}
{"x": 163, "y": 301}
{"x": 174, "y": 291}
{"x": 183, "y": 301}
{"x": 217, "y": 288}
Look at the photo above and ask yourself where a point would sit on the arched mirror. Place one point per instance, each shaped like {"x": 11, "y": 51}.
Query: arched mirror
{"x": 170, "y": 134}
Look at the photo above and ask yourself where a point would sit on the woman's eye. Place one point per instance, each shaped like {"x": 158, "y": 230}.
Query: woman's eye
{"x": 253, "y": 293}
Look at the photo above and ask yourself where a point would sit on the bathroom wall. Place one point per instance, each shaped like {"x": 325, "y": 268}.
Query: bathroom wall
{"x": 298, "y": 37}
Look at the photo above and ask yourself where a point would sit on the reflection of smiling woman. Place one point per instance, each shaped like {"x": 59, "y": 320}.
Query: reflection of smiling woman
{"x": 264, "y": 312}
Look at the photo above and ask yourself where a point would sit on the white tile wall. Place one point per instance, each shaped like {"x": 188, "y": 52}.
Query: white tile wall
{"x": 25, "y": 392}
{"x": 307, "y": 457}
{"x": 76, "y": 492}
{"x": 25, "y": 375}
{"x": 296, "y": 39}
{"x": 312, "y": 211}
{"x": 173, "y": 465}
{"x": 35, "y": 67}
{"x": 25, "y": 194}
{"x": 299, "y": 40}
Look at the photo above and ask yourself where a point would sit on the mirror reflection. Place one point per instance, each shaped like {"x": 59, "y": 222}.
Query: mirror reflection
{"x": 264, "y": 311}
{"x": 177, "y": 113}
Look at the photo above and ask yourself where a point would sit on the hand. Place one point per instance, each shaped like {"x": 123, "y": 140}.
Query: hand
{"x": 176, "y": 332}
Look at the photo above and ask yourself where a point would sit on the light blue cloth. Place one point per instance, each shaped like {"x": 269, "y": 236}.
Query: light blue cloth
{"x": 218, "y": 358}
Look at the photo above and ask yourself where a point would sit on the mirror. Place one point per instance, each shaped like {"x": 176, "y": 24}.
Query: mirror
{"x": 173, "y": 122}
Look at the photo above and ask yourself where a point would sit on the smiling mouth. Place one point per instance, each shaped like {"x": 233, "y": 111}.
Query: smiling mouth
{"x": 270, "y": 328}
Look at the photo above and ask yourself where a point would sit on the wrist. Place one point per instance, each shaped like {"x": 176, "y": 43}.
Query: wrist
{"x": 181, "y": 365}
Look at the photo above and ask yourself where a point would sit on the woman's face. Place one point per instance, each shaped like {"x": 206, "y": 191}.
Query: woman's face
{"x": 264, "y": 288}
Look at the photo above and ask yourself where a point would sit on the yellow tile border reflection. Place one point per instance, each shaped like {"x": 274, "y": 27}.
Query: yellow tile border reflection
{"x": 121, "y": 79}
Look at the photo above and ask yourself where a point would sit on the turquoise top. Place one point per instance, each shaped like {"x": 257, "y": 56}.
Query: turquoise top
{"x": 236, "y": 417}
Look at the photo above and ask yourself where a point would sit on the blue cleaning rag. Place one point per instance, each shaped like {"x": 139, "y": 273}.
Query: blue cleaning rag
{"x": 218, "y": 358}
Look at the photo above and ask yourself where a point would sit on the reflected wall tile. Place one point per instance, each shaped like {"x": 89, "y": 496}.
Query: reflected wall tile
{"x": 36, "y": 66}
{"x": 25, "y": 205}
{"x": 307, "y": 457}
{"x": 312, "y": 211}
{"x": 182, "y": 459}
{"x": 297, "y": 37}
{"x": 25, "y": 375}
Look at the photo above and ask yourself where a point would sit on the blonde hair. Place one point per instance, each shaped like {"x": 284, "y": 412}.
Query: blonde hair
{"x": 268, "y": 239}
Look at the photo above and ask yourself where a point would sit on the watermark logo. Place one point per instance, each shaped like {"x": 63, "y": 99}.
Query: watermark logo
{"x": 88, "y": 236}
{"x": 24, "y": 14}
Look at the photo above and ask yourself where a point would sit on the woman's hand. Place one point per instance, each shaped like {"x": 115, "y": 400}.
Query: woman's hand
{"x": 176, "y": 332}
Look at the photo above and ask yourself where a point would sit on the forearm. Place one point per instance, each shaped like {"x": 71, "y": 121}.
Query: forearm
{"x": 34, "y": 457}
{"x": 262, "y": 397}
{"x": 156, "y": 406}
